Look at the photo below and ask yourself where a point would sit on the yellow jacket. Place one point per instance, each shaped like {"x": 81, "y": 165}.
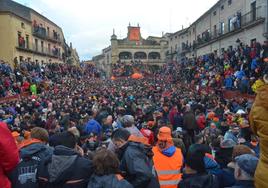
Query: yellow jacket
{"x": 259, "y": 123}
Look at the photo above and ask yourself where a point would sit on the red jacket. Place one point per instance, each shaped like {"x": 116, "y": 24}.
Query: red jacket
{"x": 201, "y": 121}
{"x": 9, "y": 155}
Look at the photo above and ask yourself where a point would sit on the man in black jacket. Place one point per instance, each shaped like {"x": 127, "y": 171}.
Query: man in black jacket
{"x": 134, "y": 163}
{"x": 195, "y": 175}
{"x": 66, "y": 167}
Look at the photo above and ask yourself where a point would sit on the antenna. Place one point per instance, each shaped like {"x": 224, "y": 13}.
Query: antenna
{"x": 170, "y": 19}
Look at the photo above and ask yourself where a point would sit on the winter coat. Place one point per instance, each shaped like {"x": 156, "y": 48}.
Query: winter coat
{"x": 9, "y": 155}
{"x": 65, "y": 169}
{"x": 198, "y": 181}
{"x": 259, "y": 123}
{"x": 189, "y": 122}
{"x": 228, "y": 82}
{"x": 136, "y": 166}
{"x": 201, "y": 121}
{"x": 108, "y": 181}
{"x": 30, "y": 156}
{"x": 243, "y": 184}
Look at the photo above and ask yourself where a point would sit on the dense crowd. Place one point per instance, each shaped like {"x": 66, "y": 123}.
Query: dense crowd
{"x": 171, "y": 128}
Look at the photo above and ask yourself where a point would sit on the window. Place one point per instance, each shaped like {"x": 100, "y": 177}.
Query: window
{"x": 36, "y": 44}
{"x": 21, "y": 40}
{"x": 222, "y": 7}
{"x": 215, "y": 30}
{"x": 230, "y": 25}
{"x": 49, "y": 48}
{"x": 42, "y": 46}
{"x": 229, "y": 2}
{"x": 252, "y": 41}
{"x": 47, "y": 31}
{"x": 215, "y": 13}
{"x": 222, "y": 28}
{"x": 253, "y": 10}
{"x": 27, "y": 41}
{"x": 22, "y": 25}
{"x": 175, "y": 37}
{"x": 176, "y": 47}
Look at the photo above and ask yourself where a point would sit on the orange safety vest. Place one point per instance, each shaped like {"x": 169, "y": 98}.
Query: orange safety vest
{"x": 168, "y": 168}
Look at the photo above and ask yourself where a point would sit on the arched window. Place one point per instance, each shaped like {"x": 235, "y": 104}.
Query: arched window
{"x": 154, "y": 55}
{"x": 140, "y": 55}
{"x": 125, "y": 55}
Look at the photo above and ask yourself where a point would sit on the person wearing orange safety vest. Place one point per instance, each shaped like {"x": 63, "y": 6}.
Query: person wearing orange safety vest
{"x": 168, "y": 160}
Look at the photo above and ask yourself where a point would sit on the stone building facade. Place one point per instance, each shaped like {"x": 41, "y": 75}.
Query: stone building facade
{"x": 133, "y": 48}
{"x": 220, "y": 28}
{"x": 27, "y": 35}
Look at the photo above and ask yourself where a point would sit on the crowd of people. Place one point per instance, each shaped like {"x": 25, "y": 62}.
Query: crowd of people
{"x": 172, "y": 128}
{"x": 28, "y": 76}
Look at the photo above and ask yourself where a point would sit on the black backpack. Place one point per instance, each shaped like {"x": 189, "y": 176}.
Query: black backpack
{"x": 24, "y": 175}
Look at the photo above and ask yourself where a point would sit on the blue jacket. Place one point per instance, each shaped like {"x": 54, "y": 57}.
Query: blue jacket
{"x": 93, "y": 126}
{"x": 254, "y": 64}
{"x": 228, "y": 82}
{"x": 240, "y": 74}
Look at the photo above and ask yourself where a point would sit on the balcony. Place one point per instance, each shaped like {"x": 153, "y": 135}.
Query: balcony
{"x": 186, "y": 48}
{"x": 54, "y": 38}
{"x": 245, "y": 21}
{"x": 154, "y": 61}
{"x": 44, "y": 52}
{"x": 41, "y": 32}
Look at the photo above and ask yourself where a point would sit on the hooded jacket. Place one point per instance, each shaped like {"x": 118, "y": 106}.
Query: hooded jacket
{"x": 108, "y": 181}
{"x": 259, "y": 123}
{"x": 198, "y": 181}
{"x": 65, "y": 169}
{"x": 136, "y": 166}
{"x": 189, "y": 121}
{"x": 30, "y": 156}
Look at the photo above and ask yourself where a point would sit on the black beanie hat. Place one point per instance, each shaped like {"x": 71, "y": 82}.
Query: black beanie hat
{"x": 195, "y": 160}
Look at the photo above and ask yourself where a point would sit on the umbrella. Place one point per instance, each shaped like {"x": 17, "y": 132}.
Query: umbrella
{"x": 136, "y": 76}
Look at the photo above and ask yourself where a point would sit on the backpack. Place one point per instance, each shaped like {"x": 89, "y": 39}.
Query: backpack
{"x": 24, "y": 175}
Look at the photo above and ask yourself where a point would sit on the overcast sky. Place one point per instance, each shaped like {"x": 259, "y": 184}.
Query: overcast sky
{"x": 88, "y": 24}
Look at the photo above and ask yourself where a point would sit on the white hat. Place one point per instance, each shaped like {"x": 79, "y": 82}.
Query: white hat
{"x": 240, "y": 111}
{"x": 179, "y": 129}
